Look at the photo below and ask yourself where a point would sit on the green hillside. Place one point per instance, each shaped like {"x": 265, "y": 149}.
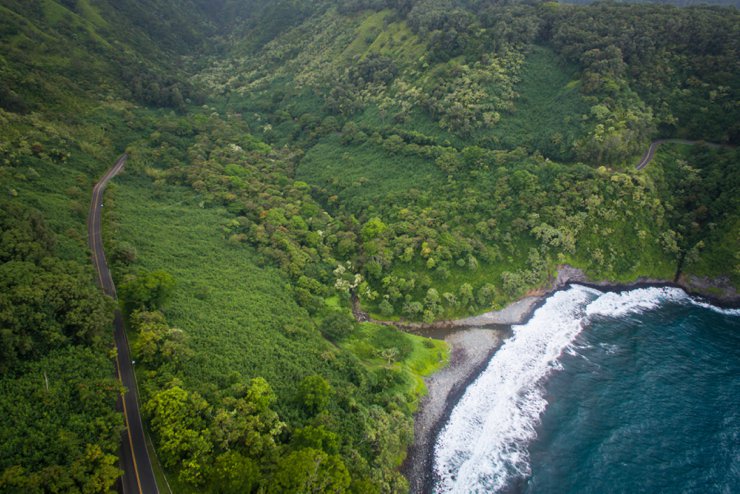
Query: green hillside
{"x": 427, "y": 158}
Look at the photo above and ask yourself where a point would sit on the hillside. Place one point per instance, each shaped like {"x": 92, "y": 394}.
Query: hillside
{"x": 430, "y": 158}
{"x": 409, "y": 130}
{"x": 72, "y": 74}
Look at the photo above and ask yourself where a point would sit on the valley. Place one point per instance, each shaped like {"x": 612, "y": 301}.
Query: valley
{"x": 419, "y": 161}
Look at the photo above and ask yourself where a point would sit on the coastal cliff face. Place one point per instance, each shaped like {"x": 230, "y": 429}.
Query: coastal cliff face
{"x": 719, "y": 290}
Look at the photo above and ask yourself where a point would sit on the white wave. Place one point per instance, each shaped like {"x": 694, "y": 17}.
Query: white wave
{"x": 484, "y": 444}
{"x": 618, "y": 304}
{"x": 719, "y": 310}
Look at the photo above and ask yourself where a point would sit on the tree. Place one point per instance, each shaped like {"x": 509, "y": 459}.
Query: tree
{"x": 466, "y": 294}
{"x": 47, "y": 306}
{"x": 432, "y": 298}
{"x": 388, "y": 433}
{"x": 24, "y": 235}
{"x": 148, "y": 290}
{"x": 374, "y": 228}
{"x": 310, "y": 471}
{"x": 386, "y": 308}
{"x": 124, "y": 252}
{"x": 314, "y": 393}
{"x": 390, "y": 355}
{"x": 233, "y": 473}
{"x": 337, "y": 326}
{"x": 60, "y": 429}
{"x": 249, "y": 423}
{"x": 413, "y": 308}
{"x": 177, "y": 419}
{"x": 316, "y": 438}
{"x": 486, "y": 294}
{"x": 157, "y": 343}
{"x": 95, "y": 471}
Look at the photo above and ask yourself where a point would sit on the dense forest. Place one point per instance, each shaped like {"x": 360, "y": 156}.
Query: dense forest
{"x": 427, "y": 159}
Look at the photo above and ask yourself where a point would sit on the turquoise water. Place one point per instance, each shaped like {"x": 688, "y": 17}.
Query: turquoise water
{"x": 647, "y": 402}
{"x": 603, "y": 392}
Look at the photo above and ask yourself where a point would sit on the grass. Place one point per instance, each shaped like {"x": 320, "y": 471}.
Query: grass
{"x": 399, "y": 42}
{"x": 419, "y": 356}
{"x": 367, "y": 32}
{"x": 547, "y": 112}
{"x": 234, "y": 310}
{"x": 89, "y": 13}
{"x": 365, "y": 174}
{"x": 376, "y": 35}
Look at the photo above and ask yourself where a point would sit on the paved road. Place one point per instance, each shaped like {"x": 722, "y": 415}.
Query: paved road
{"x": 650, "y": 153}
{"x": 138, "y": 476}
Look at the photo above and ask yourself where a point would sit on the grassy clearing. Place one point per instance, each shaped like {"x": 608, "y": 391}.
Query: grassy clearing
{"x": 413, "y": 357}
{"x": 375, "y": 34}
{"x": 236, "y": 312}
{"x": 365, "y": 173}
{"x": 547, "y": 112}
{"x": 399, "y": 42}
{"x": 367, "y": 32}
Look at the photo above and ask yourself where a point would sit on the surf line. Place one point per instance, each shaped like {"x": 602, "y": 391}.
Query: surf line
{"x": 484, "y": 445}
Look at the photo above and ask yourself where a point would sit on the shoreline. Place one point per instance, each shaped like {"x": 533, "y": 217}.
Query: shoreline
{"x": 521, "y": 310}
{"x": 472, "y": 348}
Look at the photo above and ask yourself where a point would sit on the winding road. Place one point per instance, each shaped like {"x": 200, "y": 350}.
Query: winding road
{"x": 138, "y": 476}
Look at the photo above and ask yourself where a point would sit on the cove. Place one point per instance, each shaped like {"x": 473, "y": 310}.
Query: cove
{"x": 603, "y": 392}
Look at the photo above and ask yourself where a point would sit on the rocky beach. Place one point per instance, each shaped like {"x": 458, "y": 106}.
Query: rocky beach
{"x": 474, "y": 340}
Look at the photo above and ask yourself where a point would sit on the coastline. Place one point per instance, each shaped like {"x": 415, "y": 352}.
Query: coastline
{"x": 474, "y": 340}
{"x": 717, "y": 291}
{"x": 471, "y": 350}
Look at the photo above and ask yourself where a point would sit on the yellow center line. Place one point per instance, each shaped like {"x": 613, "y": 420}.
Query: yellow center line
{"x": 128, "y": 428}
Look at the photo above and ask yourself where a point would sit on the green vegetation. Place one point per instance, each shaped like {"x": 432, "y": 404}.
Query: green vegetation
{"x": 427, "y": 158}
{"x": 547, "y": 114}
{"x": 64, "y": 112}
{"x": 696, "y": 182}
{"x": 236, "y": 318}
{"x": 53, "y": 356}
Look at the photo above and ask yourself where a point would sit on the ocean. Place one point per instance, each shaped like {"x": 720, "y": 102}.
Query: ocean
{"x": 633, "y": 391}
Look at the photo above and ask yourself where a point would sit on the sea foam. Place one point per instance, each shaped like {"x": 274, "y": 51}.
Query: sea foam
{"x": 719, "y": 310}
{"x": 484, "y": 445}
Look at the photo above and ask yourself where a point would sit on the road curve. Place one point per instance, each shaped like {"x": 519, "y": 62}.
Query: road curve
{"x": 650, "y": 153}
{"x": 138, "y": 476}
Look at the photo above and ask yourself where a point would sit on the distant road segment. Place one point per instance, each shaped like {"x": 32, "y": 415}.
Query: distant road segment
{"x": 138, "y": 476}
{"x": 650, "y": 153}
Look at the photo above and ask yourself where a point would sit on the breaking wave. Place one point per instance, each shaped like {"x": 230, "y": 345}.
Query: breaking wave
{"x": 484, "y": 445}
